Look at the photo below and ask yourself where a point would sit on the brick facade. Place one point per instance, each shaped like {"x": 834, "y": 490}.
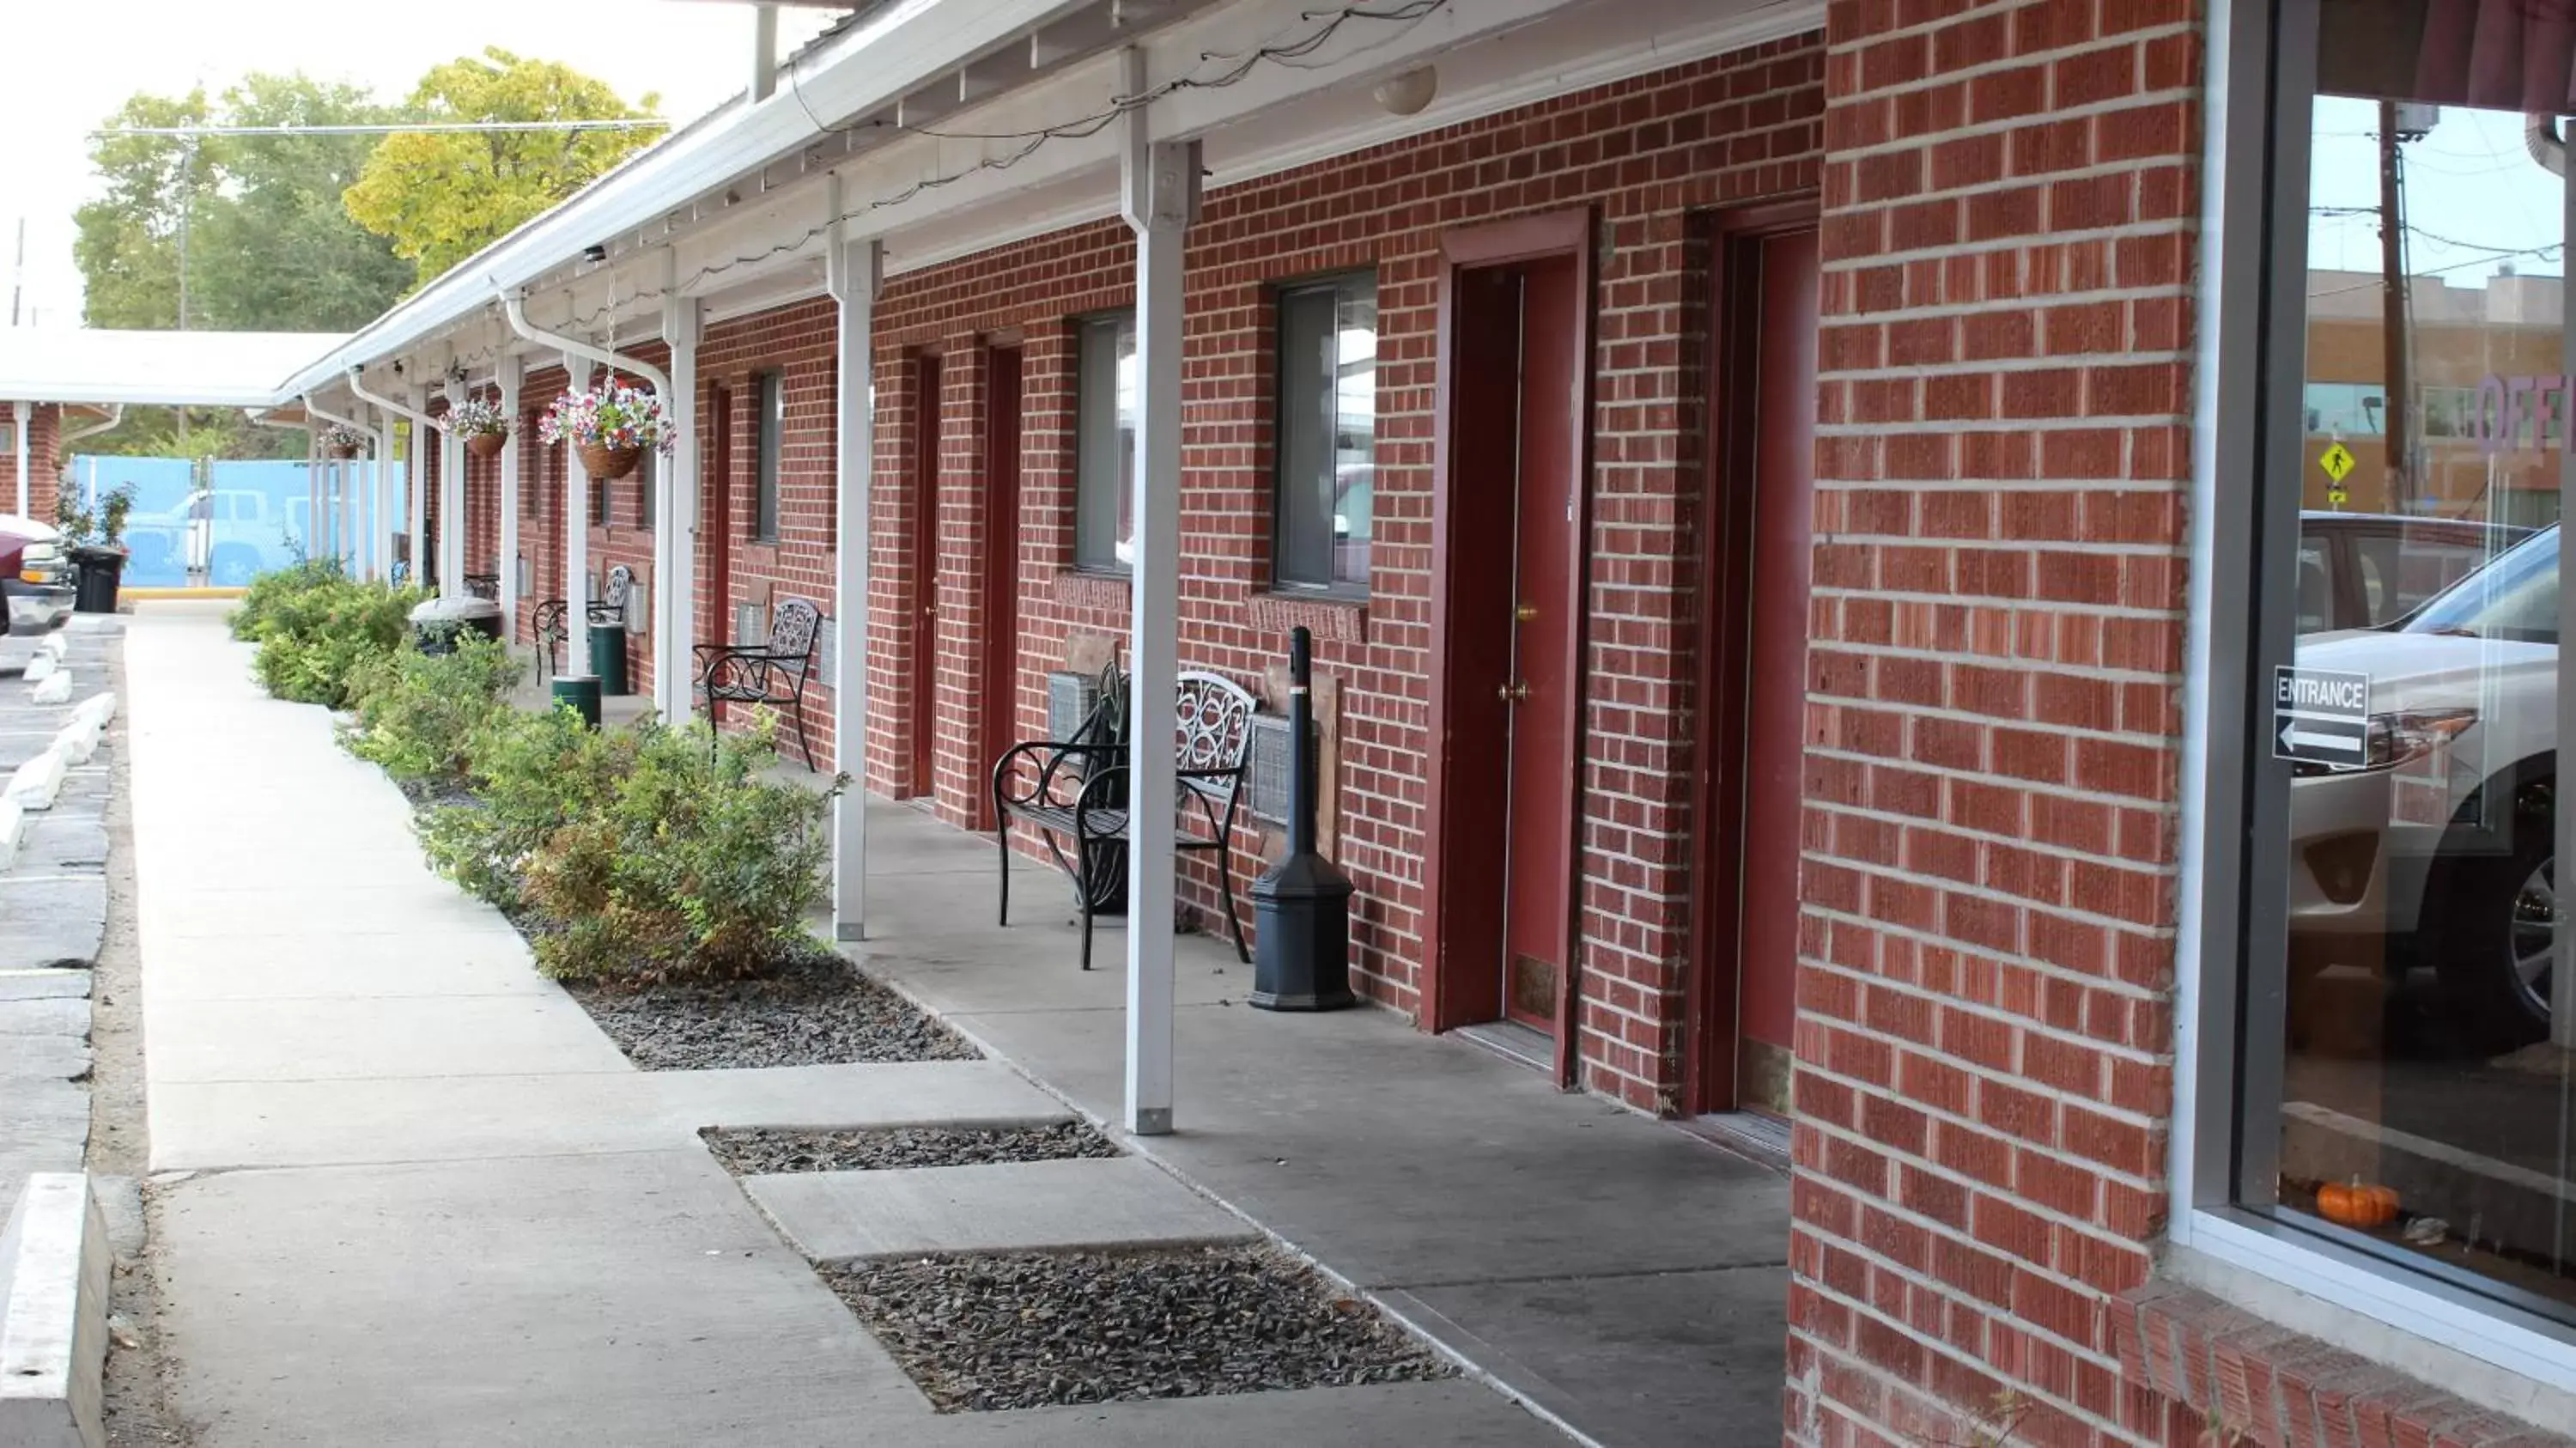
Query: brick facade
{"x": 1986, "y": 1025}
{"x": 44, "y": 463}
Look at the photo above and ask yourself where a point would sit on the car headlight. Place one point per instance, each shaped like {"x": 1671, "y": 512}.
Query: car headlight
{"x": 2407, "y": 735}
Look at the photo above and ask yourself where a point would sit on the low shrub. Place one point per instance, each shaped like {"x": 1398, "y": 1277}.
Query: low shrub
{"x": 260, "y": 601}
{"x": 419, "y": 715}
{"x": 315, "y": 641}
{"x": 532, "y": 775}
{"x": 697, "y": 868}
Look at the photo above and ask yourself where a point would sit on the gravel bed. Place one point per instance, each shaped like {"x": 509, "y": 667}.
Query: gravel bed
{"x": 817, "y": 1012}
{"x": 757, "y": 1150}
{"x": 1028, "y": 1330}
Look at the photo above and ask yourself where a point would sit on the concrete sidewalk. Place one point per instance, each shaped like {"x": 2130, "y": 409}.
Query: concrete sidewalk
{"x": 408, "y": 1194}
{"x": 1620, "y": 1275}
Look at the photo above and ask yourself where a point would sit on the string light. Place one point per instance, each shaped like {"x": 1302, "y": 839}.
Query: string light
{"x": 1291, "y": 54}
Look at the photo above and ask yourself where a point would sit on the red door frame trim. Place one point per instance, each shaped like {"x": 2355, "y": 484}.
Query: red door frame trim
{"x": 1566, "y": 233}
{"x": 1717, "y": 731}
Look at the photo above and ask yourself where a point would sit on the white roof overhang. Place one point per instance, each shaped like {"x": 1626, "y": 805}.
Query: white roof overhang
{"x": 82, "y": 366}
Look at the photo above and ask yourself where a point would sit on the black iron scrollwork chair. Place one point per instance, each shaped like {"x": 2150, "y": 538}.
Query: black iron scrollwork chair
{"x": 774, "y": 673}
{"x": 1075, "y": 792}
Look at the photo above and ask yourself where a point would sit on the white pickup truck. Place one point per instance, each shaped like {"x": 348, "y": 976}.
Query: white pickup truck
{"x": 227, "y": 535}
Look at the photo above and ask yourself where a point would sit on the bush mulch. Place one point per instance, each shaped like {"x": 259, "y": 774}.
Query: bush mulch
{"x": 1026, "y": 1330}
{"x": 816, "y": 1011}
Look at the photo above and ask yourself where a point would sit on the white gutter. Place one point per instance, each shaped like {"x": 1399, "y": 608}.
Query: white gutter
{"x": 315, "y": 408}
{"x": 417, "y": 417}
{"x": 512, "y": 308}
{"x": 871, "y": 67}
{"x": 115, "y": 415}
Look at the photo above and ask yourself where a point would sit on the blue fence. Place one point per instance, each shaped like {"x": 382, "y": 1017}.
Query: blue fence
{"x": 226, "y": 521}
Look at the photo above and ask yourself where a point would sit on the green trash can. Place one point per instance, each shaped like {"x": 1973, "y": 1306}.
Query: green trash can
{"x": 581, "y": 696}
{"x": 608, "y": 656}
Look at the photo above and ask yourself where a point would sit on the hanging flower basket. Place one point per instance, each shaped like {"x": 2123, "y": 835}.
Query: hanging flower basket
{"x": 481, "y": 423}
{"x": 606, "y": 464}
{"x": 609, "y": 426}
{"x": 342, "y": 442}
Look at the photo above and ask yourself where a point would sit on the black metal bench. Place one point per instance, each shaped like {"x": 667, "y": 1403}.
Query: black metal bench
{"x": 774, "y": 672}
{"x": 1075, "y": 792}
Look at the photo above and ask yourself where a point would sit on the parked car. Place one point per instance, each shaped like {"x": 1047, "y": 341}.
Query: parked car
{"x": 2362, "y": 570}
{"x": 2435, "y": 851}
{"x": 33, "y": 575}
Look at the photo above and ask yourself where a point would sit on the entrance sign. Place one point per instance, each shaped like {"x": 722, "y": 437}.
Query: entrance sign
{"x": 2320, "y": 717}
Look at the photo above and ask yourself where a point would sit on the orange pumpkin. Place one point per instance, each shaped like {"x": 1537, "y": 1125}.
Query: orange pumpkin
{"x": 2357, "y": 1205}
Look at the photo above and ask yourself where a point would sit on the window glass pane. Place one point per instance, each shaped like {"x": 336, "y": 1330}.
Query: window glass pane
{"x": 2426, "y": 1109}
{"x": 1104, "y": 524}
{"x": 1327, "y": 433}
{"x": 769, "y": 425}
{"x": 645, "y": 473}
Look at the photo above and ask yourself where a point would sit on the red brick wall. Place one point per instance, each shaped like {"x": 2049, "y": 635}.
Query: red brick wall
{"x": 624, "y": 539}
{"x": 1985, "y": 1031}
{"x": 542, "y": 470}
{"x": 798, "y": 341}
{"x": 1645, "y": 154}
{"x": 44, "y": 467}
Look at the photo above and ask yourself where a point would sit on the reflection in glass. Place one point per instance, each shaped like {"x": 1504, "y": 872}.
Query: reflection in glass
{"x": 1327, "y": 433}
{"x": 2427, "y": 1109}
{"x": 1104, "y": 523}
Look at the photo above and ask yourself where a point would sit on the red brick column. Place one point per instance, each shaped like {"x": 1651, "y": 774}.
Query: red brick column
{"x": 1985, "y": 1030}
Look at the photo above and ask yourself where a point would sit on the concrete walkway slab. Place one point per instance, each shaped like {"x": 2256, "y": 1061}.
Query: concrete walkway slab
{"x": 996, "y": 1207}
{"x": 627, "y": 1299}
{"x": 315, "y": 1123}
{"x": 197, "y": 1039}
{"x": 473, "y": 961}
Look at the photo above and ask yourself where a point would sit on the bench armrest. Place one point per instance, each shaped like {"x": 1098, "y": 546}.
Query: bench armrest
{"x": 1050, "y": 773}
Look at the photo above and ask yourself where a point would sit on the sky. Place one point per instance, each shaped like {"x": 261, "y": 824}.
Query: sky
{"x": 2474, "y": 196}
{"x": 71, "y": 64}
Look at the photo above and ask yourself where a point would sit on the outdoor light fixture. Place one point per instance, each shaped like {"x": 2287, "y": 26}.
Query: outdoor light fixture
{"x": 595, "y": 252}
{"x": 1408, "y": 93}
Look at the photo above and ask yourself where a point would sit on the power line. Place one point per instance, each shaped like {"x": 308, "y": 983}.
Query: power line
{"x": 391, "y": 128}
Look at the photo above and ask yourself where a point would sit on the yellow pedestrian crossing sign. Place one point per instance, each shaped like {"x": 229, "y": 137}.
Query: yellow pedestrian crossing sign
{"x": 2337, "y": 462}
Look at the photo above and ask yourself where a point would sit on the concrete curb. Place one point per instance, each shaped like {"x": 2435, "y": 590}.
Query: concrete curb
{"x": 35, "y": 782}
{"x": 56, "y": 689}
{"x": 54, "y": 1263}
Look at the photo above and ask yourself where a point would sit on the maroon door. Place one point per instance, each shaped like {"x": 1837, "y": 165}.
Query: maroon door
{"x": 925, "y": 584}
{"x": 719, "y": 517}
{"x": 1544, "y": 690}
{"x": 999, "y": 710}
{"x": 1754, "y": 729}
{"x": 1510, "y": 591}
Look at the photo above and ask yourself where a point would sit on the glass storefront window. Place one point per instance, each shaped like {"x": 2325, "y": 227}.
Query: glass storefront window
{"x": 2419, "y": 1100}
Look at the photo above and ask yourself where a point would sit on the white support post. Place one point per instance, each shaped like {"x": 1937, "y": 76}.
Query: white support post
{"x": 314, "y": 520}
{"x": 576, "y": 516}
{"x": 453, "y": 525}
{"x": 513, "y": 370}
{"x": 675, "y": 511}
{"x": 854, "y": 271}
{"x": 387, "y": 501}
{"x": 21, "y": 413}
{"x": 1161, "y": 199}
{"x": 416, "y": 486}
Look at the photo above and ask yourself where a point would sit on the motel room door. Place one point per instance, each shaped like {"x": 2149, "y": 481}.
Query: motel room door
{"x": 1752, "y": 730}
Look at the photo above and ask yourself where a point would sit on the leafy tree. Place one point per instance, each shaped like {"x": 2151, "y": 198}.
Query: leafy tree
{"x": 270, "y": 247}
{"x": 442, "y": 196}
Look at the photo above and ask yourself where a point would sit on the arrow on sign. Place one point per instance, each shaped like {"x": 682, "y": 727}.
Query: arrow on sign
{"x": 2294, "y": 738}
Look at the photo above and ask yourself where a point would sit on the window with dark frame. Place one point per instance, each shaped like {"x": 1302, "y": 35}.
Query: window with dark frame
{"x": 1327, "y": 436}
{"x": 646, "y": 473}
{"x": 769, "y": 422}
{"x": 1104, "y": 441}
{"x": 2406, "y": 1083}
{"x": 532, "y": 488}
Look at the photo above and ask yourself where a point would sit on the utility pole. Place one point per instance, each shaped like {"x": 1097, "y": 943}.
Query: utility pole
{"x": 2392, "y": 262}
{"x": 187, "y": 204}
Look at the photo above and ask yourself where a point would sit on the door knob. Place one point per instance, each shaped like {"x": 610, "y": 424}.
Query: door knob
{"x": 1525, "y": 612}
{"x": 1513, "y": 693}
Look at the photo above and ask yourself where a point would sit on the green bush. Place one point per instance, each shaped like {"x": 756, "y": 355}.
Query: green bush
{"x": 266, "y": 592}
{"x": 696, "y": 869}
{"x": 532, "y": 776}
{"x": 315, "y": 641}
{"x": 418, "y": 714}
